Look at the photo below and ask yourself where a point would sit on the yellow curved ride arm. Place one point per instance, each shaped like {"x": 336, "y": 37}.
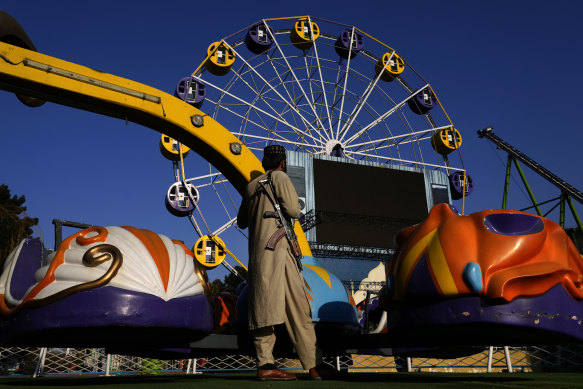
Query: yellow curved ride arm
{"x": 38, "y": 75}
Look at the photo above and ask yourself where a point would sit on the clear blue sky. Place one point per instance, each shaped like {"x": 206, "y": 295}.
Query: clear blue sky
{"x": 515, "y": 65}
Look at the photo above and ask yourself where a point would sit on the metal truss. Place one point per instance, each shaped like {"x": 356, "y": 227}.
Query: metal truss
{"x": 330, "y": 250}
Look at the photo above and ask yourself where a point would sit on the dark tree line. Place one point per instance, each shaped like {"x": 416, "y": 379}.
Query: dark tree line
{"x": 14, "y": 224}
{"x": 229, "y": 283}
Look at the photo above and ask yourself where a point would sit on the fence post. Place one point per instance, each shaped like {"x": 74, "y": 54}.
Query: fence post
{"x": 107, "y": 363}
{"x": 40, "y": 363}
{"x": 490, "y": 352}
{"x": 508, "y": 361}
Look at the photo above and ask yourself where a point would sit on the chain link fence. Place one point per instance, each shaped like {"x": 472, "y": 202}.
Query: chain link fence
{"x": 60, "y": 361}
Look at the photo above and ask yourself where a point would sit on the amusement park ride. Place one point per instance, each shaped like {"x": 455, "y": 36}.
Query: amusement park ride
{"x": 356, "y": 121}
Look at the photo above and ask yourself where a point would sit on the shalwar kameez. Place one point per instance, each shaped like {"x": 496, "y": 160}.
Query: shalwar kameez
{"x": 276, "y": 286}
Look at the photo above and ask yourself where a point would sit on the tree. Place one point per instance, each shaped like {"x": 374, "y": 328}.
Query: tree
{"x": 14, "y": 224}
{"x": 230, "y": 282}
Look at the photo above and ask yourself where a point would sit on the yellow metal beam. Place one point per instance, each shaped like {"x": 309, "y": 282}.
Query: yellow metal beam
{"x": 66, "y": 83}
{"x": 38, "y": 75}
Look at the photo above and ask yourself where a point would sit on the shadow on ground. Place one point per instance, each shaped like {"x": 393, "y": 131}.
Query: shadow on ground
{"x": 351, "y": 380}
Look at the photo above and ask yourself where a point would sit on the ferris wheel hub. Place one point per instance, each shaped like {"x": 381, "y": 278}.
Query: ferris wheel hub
{"x": 335, "y": 148}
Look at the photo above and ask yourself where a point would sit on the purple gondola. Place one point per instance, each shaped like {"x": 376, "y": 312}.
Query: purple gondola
{"x": 422, "y": 102}
{"x": 343, "y": 43}
{"x": 456, "y": 184}
{"x": 191, "y": 91}
{"x": 258, "y": 38}
{"x": 180, "y": 200}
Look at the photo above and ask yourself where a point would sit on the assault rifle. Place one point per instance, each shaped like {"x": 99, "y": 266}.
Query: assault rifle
{"x": 285, "y": 224}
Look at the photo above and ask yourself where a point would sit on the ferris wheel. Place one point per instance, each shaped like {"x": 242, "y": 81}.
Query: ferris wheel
{"x": 313, "y": 86}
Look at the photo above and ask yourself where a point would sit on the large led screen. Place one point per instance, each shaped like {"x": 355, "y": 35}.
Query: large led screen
{"x": 365, "y": 205}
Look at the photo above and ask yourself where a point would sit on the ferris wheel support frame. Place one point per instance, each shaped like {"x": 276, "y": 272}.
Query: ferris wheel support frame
{"x": 34, "y": 74}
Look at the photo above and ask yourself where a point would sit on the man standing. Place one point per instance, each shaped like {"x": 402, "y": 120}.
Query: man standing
{"x": 276, "y": 285}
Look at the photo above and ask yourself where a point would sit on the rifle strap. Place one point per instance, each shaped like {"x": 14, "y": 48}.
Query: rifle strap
{"x": 272, "y": 196}
{"x": 271, "y": 186}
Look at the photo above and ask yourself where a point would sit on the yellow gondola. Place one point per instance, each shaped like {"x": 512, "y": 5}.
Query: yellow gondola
{"x": 209, "y": 251}
{"x": 446, "y": 140}
{"x": 302, "y": 36}
{"x": 390, "y": 65}
{"x": 220, "y": 58}
{"x": 171, "y": 148}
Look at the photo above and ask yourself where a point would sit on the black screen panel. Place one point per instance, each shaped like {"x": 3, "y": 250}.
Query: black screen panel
{"x": 440, "y": 194}
{"x": 365, "y": 205}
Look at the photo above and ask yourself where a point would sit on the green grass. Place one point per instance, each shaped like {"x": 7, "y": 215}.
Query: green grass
{"x": 352, "y": 380}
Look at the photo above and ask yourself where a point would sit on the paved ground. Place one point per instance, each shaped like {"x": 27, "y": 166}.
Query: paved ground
{"x": 353, "y": 380}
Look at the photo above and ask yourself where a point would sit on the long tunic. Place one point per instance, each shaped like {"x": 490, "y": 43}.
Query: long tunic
{"x": 267, "y": 267}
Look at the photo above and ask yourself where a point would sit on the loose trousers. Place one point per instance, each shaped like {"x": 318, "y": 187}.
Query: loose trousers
{"x": 298, "y": 322}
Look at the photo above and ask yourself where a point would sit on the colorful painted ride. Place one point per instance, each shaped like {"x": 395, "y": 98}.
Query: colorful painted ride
{"x": 104, "y": 286}
{"x": 492, "y": 277}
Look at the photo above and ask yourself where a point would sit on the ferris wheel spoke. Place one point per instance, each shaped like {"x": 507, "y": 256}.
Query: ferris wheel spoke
{"x": 206, "y": 184}
{"x": 360, "y": 104}
{"x": 224, "y": 205}
{"x": 231, "y": 199}
{"x": 259, "y": 96}
{"x": 245, "y": 116}
{"x": 337, "y": 97}
{"x": 268, "y": 84}
{"x": 404, "y": 161}
{"x": 343, "y": 95}
{"x": 318, "y": 139}
{"x": 378, "y": 134}
{"x": 297, "y": 82}
{"x": 372, "y": 146}
{"x": 339, "y": 73}
{"x": 224, "y": 91}
{"x": 312, "y": 102}
{"x": 276, "y": 135}
{"x": 247, "y": 120}
{"x": 356, "y": 110}
{"x": 415, "y": 152}
{"x": 282, "y": 80}
{"x": 224, "y": 227}
{"x": 279, "y": 119}
{"x": 404, "y": 138}
{"x": 286, "y": 136}
{"x": 320, "y": 101}
{"x": 320, "y": 74}
{"x": 195, "y": 225}
{"x": 283, "y": 83}
{"x": 210, "y": 175}
{"x": 246, "y": 71}
{"x": 306, "y": 146}
{"x": 380, "y": 118}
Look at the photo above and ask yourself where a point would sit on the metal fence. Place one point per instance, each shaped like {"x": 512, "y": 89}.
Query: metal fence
{"x": 60, "y": 361}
